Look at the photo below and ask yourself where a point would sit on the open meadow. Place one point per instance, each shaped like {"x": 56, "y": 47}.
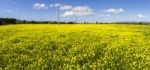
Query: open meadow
{"x": 76, "y": 46}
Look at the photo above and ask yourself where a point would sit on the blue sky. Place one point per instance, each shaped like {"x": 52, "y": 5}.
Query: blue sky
{"x": 77, "y": 10}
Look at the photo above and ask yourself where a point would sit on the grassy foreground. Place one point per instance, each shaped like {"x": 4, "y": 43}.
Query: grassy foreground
{"x": 78, "y": 46}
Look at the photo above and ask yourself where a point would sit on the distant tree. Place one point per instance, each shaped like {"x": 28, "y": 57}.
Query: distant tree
{"x": 7, "y": 21}
{"x": 70, "y": 23}
{"x": 96, "y": 22}
{"x": 140, "y": 22}
{"x": 2, "y": 22}
{"x": 85, "y": 22}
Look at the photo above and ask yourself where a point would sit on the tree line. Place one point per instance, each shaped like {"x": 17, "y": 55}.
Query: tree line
{"x": 5, "y": 21}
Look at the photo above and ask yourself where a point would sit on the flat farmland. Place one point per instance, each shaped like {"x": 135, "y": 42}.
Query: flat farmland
{"x": 75, "y": 46}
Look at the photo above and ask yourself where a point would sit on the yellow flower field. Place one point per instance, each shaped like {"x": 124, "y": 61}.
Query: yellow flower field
{"x": 75, "y": 47}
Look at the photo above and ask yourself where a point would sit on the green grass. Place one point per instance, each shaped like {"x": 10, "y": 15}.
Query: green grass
{"x": 78, "y": 46}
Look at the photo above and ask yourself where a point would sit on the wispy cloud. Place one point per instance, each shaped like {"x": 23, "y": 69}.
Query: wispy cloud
{"x": 79, "y": 11}
{"x": 140, "y": 16}
{"x": 73, "y": 10}
{"x": 40, "y": 6}
{"x": 55, "y": 5}
{"x": 61, "y": 6}
{"x": 113, "y": 10}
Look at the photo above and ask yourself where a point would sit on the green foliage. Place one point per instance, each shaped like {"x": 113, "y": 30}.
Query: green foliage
{"x": 4, "y": 21}
{"x": 75, "y": 47}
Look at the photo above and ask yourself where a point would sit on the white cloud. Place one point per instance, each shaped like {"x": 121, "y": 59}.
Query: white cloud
{"x": 140, "y": 16}
{"x": 40, "y": 6}
{"x": 114, "y": 10}
{"x": 55, "y": 5}
{"x": 61, "y": 6}
{"x": 68, "y": 13}
{"x": 79, "y": 11}
{"x": 73, "y": 10}
{"x": 66, "y": 7}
